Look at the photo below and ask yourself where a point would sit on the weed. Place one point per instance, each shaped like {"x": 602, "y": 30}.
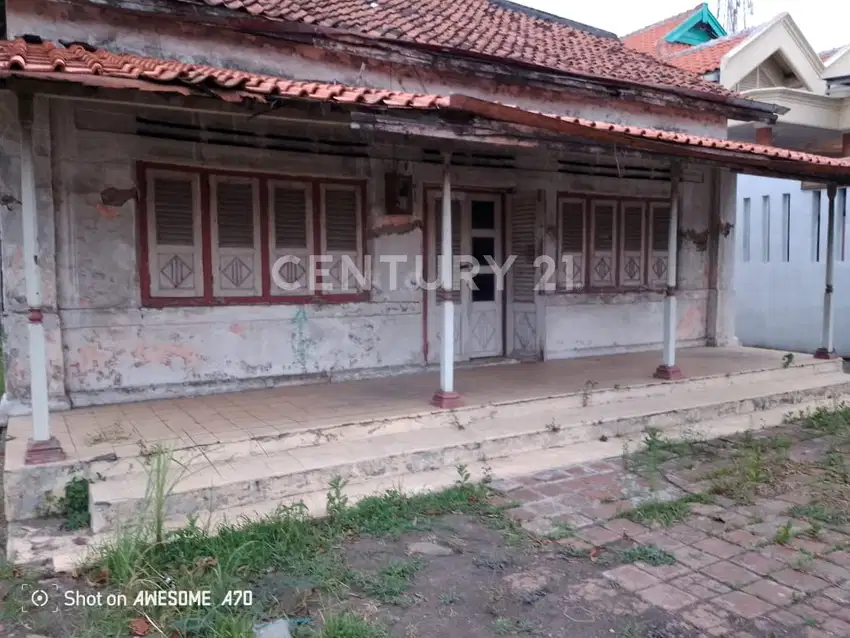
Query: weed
{"x": 553, "y": 426}
{"x": 834, "y": 420}
{"x": 510, "y": 627}
{"x": 787, "y": 360}
{"x": 632, "y": 630}
{"x": 804, "y": 562}
{"x": 655, "y": 450}
{"x": 463, "y": 475}
{"x": 345, "y": 626}
{"x": 390, "y": 584}
{"x": 74, "y": 505}
{"x": 666, "y": 513}
{"x": 784, "y": 534}
{"x": 450, "y": 598}
{"x": 819, "y": 514}
{"x": 810, "y": 622}
{"x": 649, "y": 554}
{"x": 589, "y": 387}
{"x": 570, "y": 551}
{"x": 560, "y": 531}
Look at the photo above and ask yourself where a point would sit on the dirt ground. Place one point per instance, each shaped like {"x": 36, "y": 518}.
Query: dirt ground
{"x": 745, "y": 537}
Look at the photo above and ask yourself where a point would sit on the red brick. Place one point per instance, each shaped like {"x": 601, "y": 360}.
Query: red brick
{"x": 772, "y": 592}
{"x": 757, "y": 563}
{"x": 786, "y": 618}
{"x": 598, "y": 535}
{"x": 667, "y": 597}
{"x": 799, "y": 580}
{"x": 625, "y": 527}
{"x": 743, "y": 604}
{"x": 555, "y": 488}
{"x": 742, "y": 537}
{"x": 686, "y": 534}
{"x": 706, "y": 616}
{"x": 700, "y": 585}
{"x": 809, "y": 545}
{"x": 719, "y": 548}
{"x": 829, "y": 571}
{"x": 841, "y": 596}
{"x": 839, "y": 558}
{"x": 665, "y": 572}
{"x": 631, "y": 578}
{"x": 730, "y": 574}
{"x": 693, "y": 557}
{"x": 526, "y": 494}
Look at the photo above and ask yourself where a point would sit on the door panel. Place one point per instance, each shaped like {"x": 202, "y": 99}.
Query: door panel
{"x": 483, "y": 302}
{"x": 524, "y": 212}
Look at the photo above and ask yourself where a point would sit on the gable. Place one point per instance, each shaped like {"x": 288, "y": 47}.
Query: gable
{"x": 777, "y": 50}
{"x": 838, "y": 65}
{"x": 700, "y": 27}
{"x": 772, "y": 73}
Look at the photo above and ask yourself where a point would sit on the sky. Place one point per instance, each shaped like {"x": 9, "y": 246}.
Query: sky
{"x": 825, "y": 23}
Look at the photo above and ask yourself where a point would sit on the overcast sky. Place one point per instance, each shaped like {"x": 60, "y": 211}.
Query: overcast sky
{"x": 826, "y": 23}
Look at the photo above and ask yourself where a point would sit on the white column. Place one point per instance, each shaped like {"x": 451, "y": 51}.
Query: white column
{"x": 446, "y": 397}
{"x": 668, "y": 369}
{"x": 827, "y": 349}
{"x": 43, "y": 447}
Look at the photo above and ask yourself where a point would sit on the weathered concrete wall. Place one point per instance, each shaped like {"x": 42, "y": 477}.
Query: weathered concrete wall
{"x": 110, "y": 348}
{"x": 174, "y": 39}
{"x": 15, "y": 307}
{"x": 604, "y": 323}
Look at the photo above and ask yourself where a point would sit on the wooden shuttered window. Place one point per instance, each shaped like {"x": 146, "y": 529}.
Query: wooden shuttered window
{"x": 216, "y": 238}
{"x": 342, "y": 238}
{"x": 237, "y": 270}
{"x": 573, "y": 241}
{"x": 659, "y": 224}
{"x": 633, "y": 244}
{"x": 174, "y": 234}
{"x": 613, "y": 243}
{"x": 291, "y": 236}
{"x": 603, "y": 244}
{"x": 523, "y": 273}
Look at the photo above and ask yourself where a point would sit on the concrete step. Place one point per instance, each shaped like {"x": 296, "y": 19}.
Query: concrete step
{"x": 342, "y": 430}
{"x": 203, "y": 486}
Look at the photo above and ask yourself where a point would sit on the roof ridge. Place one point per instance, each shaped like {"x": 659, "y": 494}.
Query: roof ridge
{"x": 738, "y": 35}
{"x": 684, "y": 15}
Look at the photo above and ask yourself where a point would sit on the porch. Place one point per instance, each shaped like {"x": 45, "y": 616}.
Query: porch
{"x": 248, "y": 453}
{"x": 127, "y": 430}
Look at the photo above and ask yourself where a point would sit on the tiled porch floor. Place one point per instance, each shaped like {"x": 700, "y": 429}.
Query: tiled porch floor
{"x": 126, "y": 428}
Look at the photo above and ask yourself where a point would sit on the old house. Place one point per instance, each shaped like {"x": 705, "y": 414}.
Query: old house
{"x": 173, "y": 169}
{"x": 784, "y": 233}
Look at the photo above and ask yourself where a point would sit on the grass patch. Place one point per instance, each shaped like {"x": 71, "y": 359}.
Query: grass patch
{"x": 666, "y": 513}
{"x": 561, "y": 531}
{"x": 820, "y": 514}
{"x": 278, "y": 557}
{"x": 649, "y": 554}
{"x": 343, "y": 626}
{"x": 756, "y": 465}
{"x": 511, "y": 627}
{"x": 834, "y": 420}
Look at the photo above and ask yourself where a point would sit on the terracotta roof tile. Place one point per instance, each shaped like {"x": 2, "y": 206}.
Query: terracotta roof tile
{"x": 18, "y": 57}
{"x": 491, "y": 27}
{"x": 705, "y": 58}
{"x": 651, "y": 39}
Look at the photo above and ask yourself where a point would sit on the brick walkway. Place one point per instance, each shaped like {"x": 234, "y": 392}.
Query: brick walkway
{"x": 729, "y": 566}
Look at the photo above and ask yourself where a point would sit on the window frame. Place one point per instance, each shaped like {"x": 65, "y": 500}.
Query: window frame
{"x": 203, "y": 180}
{"x": 588, "y": 201}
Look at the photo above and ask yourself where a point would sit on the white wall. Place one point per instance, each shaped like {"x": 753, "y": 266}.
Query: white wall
{"x": 779, "y": 304}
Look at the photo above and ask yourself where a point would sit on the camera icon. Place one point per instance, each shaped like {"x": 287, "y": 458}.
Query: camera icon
{"x": 39, "y": 598}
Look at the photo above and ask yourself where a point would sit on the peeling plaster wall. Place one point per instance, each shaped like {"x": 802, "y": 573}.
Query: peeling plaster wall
{"x": 15, "y": 307}
{"x": 606, "y": 323}
{"x": 174, "y": 39}
{"x": 115, "y": 348}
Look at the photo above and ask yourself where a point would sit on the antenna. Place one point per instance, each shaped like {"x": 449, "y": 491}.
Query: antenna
{"x": 733, "y": 13}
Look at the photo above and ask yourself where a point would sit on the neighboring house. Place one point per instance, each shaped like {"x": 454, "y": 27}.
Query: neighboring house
{"x": 782, "y": 224}
{"x": 158, "y": 159}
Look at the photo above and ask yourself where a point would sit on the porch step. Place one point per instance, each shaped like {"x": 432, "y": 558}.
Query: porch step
{"x": 540, "y": 428}
{"x": 340, "y": 430}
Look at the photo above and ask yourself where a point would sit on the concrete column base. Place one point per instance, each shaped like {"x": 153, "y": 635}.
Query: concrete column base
{"x": 823, "y": 353}
{"x": 446, "y": 400}
{"x": 668, "y": 373}
{"x": 41, "y": 452}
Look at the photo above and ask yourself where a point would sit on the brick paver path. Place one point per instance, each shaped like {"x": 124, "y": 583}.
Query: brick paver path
{"x": 730, "y": 568}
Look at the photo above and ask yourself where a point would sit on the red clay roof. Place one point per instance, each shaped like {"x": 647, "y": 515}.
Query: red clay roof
{"x": 78, "y": 64}
{"x": 705, "y": 58}
{"x": 651, "y": 39}
{"x": 490, "y": 27}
